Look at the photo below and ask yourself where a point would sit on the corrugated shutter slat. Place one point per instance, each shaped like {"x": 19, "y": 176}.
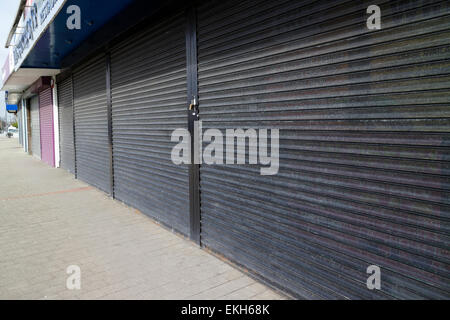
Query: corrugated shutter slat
{"x": 46, "y": 126}
{"x": 364, "y": 136}
{"x": 91, "y": 123}
{"x": 65, "y": 105}
{"x": 35, "y": 127}
{"x": 148, "y": 78}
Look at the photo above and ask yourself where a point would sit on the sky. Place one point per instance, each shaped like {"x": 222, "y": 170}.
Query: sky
{"x": 8, "y": 10}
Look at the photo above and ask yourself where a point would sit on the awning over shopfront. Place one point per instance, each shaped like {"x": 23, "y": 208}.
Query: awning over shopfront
{"x": 46, "y": 32}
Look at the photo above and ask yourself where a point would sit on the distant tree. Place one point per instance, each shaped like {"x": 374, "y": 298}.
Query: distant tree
{"x": 15, "y": 124}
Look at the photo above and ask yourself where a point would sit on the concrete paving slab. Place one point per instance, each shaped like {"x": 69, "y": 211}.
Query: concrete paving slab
{"x": 49, "y": 221}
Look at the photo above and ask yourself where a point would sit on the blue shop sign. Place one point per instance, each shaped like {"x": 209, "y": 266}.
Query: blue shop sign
{"x": 11, "y": 107}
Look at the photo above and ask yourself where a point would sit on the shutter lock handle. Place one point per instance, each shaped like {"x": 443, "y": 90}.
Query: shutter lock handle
{"x": 193, "y": 105}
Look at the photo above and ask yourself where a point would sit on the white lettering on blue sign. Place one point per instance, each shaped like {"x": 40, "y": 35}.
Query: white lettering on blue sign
{"x": 31, "y": 25}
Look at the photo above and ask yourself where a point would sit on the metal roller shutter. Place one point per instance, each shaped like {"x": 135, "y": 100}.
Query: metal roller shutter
{"x": 148, "y": 79}
{"x": 91, "y": 123}
{"x": 35, "y": 127}
{"x": 20, "y": 124}
{"x": 46, "y": 126}
{"x": 364, "y": 144}
{"x": 65, "y": 105}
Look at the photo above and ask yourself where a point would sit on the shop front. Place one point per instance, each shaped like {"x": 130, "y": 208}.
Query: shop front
{"x": 363, "y": 146}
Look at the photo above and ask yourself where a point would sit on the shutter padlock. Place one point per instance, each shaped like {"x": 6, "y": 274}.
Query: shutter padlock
{"x": 193, "y": 105}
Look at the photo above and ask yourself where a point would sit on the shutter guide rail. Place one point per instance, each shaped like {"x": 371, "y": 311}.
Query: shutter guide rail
{"x": 109, "y": 108}
{"x": 192, "y": 94}
{"x": 73, "y": 126}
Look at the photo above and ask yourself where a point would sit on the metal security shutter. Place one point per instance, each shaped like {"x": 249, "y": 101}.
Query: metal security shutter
{"x": 91, "y": 123}
{"x": 19, "y": 124}
{"x": 148, "y": 78}
{"x": 35, "y": 127}
{"x": 65, "y": 105}
{"x": 364, "y": 123}
{"x": 46, "y": 126}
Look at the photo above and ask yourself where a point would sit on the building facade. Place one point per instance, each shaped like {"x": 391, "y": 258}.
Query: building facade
{"x": 362, "y": 112}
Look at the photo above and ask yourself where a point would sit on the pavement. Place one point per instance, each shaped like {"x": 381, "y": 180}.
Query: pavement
{"x": 57, "y": 232}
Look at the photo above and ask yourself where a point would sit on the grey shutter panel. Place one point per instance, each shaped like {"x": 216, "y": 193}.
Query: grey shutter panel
{"x": 364, "y": 144}
{"x": 19, "y": 123}
{"x": 35, "y": 127}
{"x": 65, "y": 105}
{"x": 148, "y": 78}
{"x": 91, "y": 123}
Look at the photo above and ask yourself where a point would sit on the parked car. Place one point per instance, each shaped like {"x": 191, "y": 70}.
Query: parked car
{"x": 12, "y": 132}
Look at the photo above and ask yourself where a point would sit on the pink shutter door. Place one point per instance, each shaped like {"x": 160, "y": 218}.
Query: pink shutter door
{"x": 46, "y": 125}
